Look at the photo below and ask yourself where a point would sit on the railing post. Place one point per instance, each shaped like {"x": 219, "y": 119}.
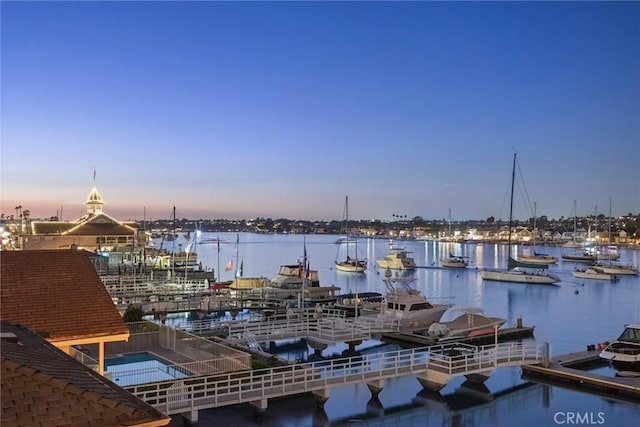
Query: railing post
{"x": 545, "y": 354}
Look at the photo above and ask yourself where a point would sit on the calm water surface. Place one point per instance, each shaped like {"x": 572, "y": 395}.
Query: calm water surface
{"x": 569, "y": 316}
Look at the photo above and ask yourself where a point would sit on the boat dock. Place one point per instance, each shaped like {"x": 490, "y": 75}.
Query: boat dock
{"x": 420, "y": 339}
{"x": 564, "y": 371}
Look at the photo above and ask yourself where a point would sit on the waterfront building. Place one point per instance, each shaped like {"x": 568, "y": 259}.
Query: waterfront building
{"x": 95, "y": 231}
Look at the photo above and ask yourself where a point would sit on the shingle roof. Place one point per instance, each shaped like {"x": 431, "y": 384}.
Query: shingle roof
{"x": 42, "y": 386}
{"x": 56, "y": 293}
{"x": 88, "y": 225}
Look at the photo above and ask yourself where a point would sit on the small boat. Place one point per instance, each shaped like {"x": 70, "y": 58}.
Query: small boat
{"x": 454, "y": 261}
{"x": 471, "y": 322}
{"x": 538, "y": 258}
{"x": 624, "y": 352}
{"x": 404, "y": 303}
{"x": 608, "y": 254}
{"x": 615, "y": 268}
{"x": 397, "y": 259}
{"x": 212, "y": 241}
{"x": 580, "y": 257}
{"x": 591, "y": 273}
{"x": 350, "y": 265}
{"x": 353, "y": 303}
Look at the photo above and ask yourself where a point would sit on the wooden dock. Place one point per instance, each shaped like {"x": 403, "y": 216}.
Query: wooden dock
{"x": 564, "y": 371}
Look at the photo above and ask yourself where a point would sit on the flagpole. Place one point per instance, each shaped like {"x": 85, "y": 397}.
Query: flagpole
{"x": 218, "y": 278}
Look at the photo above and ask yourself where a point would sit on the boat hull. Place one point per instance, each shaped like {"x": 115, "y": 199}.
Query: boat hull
{"x": 518, "y": 277}
{"x": 616, "y": 270}
{"x": 538, "y": 259}
{"x": 453, "y": 264}
{"x": 593, "y": 274}
{"x": 351, "y": 267}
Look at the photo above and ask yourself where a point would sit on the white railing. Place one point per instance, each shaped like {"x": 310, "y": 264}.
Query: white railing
{"x": 245, "y": 386}
{"x": 329, "y": 329}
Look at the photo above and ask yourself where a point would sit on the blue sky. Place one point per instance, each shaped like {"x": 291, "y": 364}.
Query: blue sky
{"x": 280, "y": 109}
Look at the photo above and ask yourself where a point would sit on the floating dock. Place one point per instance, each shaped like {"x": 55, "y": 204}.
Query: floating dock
{"x": 564, "y": 371}
{"x": 504, "y": 335}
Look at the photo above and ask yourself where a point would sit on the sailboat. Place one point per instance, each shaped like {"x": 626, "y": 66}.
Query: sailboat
{"x": 537, "y": 258}
{"x": 511, "y": 274}
{"x": 609, "y": 267}
{"x": 585, "y": 255}
{"x": 350, "y": 265}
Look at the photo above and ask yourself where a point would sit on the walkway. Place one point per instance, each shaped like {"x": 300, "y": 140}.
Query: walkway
{"x": 433, "y": 367}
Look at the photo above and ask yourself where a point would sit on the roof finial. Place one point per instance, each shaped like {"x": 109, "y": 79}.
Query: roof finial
{"x": 94, "y": 176}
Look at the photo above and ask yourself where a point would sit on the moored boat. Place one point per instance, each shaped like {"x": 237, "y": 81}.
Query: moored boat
{"x": 404, "y": 303}
{"x": 580, "y": 257}
{"x": 517, "y": 271}
{"x": 398, "y": 258}
{"x": 591, "y": 273}
{"x": 350, "y": 265}
{"x": 538, "y": 258}
{"x": 624, "y": 352}
{"x": 616, "y": 268}
{"x": 454, "y": 261}
{"x": 470, "y": 322}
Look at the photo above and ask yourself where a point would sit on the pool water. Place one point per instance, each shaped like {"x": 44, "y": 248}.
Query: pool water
{"x": 139, "y": 368}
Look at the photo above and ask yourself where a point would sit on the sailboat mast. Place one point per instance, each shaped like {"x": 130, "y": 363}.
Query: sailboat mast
{"x": 513, "y": 178}
{"x": 173, "y": 251}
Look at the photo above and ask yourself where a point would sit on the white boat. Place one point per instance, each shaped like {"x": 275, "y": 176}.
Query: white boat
{"x": 469, "y": 322}
{"x": 350, "y": 265}
{"x": 291, "y": 276}
{"x": 537, "y": 258}
{"x": 511, "y": 275}
{"x": 584, "y": 256}
{"x": 294, "y": 284}
{"x": 454, "y": 261}
{"x": 404, "y": 303}
{"x": 624, "y": 352}
{"x": 397, "y": 259}
{"x": 591, "y": 273}
{"x": 615, "y": 268}
{"x": 609, "y": 253}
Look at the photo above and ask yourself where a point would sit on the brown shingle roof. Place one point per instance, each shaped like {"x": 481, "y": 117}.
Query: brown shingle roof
{"x": 42, "y": 386}
{"x": 56, "y": 293}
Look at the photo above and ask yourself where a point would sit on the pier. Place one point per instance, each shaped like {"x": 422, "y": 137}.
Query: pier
{"x": 564, "y": 371}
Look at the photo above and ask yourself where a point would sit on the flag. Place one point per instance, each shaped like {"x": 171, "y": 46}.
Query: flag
{"x": 218, "y": 241}
{"x": 308, "y": 275}
{"x": 229, "y": 266}
{"x": 241, "y": 268}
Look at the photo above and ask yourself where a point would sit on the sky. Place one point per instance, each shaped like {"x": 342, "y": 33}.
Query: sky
{"x": 281, "y": 109}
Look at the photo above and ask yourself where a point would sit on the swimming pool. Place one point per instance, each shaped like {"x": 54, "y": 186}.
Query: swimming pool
{"x": 139, "y": 368}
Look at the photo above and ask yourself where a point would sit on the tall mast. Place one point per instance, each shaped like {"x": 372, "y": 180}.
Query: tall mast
{"x": 513, "y": 178}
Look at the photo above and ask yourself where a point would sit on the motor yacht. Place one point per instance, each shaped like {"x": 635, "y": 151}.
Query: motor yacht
{"x": 467, "y": 322}
{"x": 397, "y": 259}
{"x": 624, "y": 352}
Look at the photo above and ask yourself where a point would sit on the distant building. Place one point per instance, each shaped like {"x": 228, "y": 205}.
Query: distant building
{"x": 95, "y": 231}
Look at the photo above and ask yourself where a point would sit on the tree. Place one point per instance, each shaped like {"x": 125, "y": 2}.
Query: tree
{"x": 133, "y": 313}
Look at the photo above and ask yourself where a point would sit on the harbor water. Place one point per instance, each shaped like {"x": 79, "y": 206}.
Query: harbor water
{"x": 569, "y": 316}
